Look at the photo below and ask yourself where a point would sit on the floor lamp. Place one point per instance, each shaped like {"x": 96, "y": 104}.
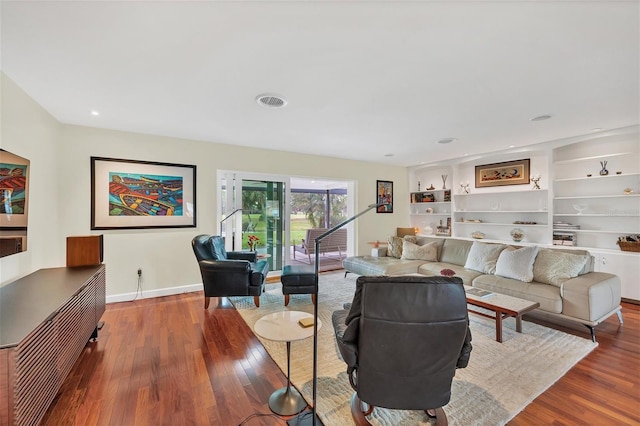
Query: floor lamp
{"x": 311, "y": 417}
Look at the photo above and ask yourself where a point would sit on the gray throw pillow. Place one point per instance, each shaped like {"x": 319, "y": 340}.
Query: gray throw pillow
{"x": 483, "y": 257}
{"x": 555, "y": 267}
{"x": 412, "y": 251}
{"x": 517, "y": 263}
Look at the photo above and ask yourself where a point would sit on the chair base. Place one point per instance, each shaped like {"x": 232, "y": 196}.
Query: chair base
{"x": 359, "y": 414}
{"x": 286, "y": 299}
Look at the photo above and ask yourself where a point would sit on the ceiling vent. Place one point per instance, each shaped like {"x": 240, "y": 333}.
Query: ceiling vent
{"x": 271, "y": 101}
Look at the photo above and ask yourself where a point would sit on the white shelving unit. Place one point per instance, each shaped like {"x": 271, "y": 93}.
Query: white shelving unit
{"x": 495, "y": 215}
{"x": 427, "y": 216}
{"x": 598, "y": 203}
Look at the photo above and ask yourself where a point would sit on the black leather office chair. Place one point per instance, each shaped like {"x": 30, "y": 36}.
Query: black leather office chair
{"x": 228, "y": 273}
{"x": 402, "y": 340}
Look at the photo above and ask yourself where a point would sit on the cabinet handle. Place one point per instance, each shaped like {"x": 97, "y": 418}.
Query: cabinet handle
{"x": 604, "y": 260}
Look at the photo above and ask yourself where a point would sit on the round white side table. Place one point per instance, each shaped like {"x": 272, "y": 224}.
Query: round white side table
{"x": 284, "y": 327}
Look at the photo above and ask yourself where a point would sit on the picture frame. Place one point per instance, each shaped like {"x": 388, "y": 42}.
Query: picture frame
{"x": 384, "y": 194}
{"x": 14, "y": 203}
{"x": 133, "y": 194}
{"x": 515, "y": 172}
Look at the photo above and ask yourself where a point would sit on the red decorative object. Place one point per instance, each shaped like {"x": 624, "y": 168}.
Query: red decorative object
{"x": 447, "y": 273}
{"x": 252, "y": 241}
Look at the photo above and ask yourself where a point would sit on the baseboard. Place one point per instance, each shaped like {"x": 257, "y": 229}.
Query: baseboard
{"x": 146, "y": 294}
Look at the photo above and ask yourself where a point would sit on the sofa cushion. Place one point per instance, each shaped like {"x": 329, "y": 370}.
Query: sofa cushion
{"x": 517, "y": 263}
{"x": 412, "y": 251}
{"x": 394, "y": 248}
{"x": 455, "y": 251}
{"x": 435, "y": 268}
{"x": 426, "y": 240}
{"x": 483, "y": 257}
{"x": 546, "y": 295}
{"x": 370, "y": 265}
{"x": 555, "y": 267}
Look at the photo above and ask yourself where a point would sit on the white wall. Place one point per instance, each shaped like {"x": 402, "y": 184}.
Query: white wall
{"x": 60, "y": 183}
{"x": 31, "y": 132}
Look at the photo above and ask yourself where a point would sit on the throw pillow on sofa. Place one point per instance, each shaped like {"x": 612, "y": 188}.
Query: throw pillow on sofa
{"x": 555, "y": 267}
{"x": 411, "y": 251}
{"x": 517, "y": 263}
{"x": 394, "y": 249}
{"x": 483, "y": 257}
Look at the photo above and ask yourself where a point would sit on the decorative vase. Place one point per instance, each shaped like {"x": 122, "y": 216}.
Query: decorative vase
{"x": 444, "y": 181}
{"x": 604, "y": 170}
{"x": 517, "y": 234}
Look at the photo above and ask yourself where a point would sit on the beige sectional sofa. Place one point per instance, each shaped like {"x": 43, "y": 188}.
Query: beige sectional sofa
{"x": 561, "y": 280}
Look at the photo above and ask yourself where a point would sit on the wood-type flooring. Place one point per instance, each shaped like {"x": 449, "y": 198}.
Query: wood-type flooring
{"x": 167, "y": 361}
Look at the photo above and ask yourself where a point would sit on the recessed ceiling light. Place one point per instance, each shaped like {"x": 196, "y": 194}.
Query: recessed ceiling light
{"x": 270, "y": 100}
{"x": 94, "y": 112}
{"x": 466, "y": 153}
{"x": 388, "y": 155}
{"x": 541, "y": 117}
{"x": 447, "y": 140}
{"x": 597, "y": 129}
{"x": 512, "y": 146}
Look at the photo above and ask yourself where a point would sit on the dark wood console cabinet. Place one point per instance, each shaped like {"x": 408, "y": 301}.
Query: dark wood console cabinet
{"x": 46, "y": 319}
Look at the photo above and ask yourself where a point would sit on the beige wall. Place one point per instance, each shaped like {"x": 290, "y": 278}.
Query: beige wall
{"x": 60, "y": 183}
{"x": 29, "y": 131}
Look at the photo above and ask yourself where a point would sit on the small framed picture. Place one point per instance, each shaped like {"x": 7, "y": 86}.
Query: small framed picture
{"x": 384, "y": 191}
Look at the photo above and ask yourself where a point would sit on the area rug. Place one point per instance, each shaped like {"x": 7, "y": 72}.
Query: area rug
{"x": 500, "y": 381}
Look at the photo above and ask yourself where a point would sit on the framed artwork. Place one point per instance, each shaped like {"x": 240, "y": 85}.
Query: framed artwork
{"x": 384, "y": 191}
{"x": 14, "y": 203}
{"x": 130, "y": 194}
{"x": 500, "y": 174}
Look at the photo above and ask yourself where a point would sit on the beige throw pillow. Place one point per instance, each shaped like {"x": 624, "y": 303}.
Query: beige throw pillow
{"x": 482, "y": 257}
{"x": 394, "y": 249}
{"x": 412, "y": 251}
{"x": 555, "y": 267}
{"x": 517, "y": 263}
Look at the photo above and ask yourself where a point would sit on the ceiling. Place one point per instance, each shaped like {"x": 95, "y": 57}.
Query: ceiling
{"x": 377, "y": 81}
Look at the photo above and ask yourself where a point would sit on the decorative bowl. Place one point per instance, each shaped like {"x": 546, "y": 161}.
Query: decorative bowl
{"x": 517, "y": 234}
{"x": 477, "y": 235}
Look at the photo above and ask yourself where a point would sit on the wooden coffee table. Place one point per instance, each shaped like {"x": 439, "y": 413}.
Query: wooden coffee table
{"x": 503, "y": 306}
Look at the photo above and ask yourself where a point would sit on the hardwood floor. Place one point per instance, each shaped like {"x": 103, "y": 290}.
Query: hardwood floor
{"x": 167, "y": 361}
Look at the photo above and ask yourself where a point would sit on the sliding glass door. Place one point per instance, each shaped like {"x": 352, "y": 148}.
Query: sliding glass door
{"x": 259, "y": 219}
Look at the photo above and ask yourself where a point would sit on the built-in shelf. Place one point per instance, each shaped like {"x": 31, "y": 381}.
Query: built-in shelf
{"x": 501, "y": 211}
{"x": 426, "y": 203}
{"x": 516, "y": 225}
{"x": 589, "y": 231}
{"x": 597, "y": 215}
{"x": 430, "y": 214}
{"x": 594, "y": 157}
{"x": 585, "y": 197}
{"x": 598, "y": 177}
{"x": 501, "y": 193}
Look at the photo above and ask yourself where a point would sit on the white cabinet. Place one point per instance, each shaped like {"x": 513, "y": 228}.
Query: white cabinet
{"x": 626, "y": 265}
{"x": 496, "y": 214}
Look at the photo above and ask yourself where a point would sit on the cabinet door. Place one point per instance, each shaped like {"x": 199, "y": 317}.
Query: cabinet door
{"x": 624, "y": 265}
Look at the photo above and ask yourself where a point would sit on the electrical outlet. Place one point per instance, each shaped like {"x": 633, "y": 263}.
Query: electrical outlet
{"x": 139, "y": 272}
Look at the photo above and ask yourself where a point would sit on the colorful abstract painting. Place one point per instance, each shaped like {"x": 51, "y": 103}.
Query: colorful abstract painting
{"x": 144, "y": 195}
{"x": 13, "y": 184}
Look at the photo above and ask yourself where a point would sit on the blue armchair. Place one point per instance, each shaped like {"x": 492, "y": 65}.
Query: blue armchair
{"x": 233, "y": 273}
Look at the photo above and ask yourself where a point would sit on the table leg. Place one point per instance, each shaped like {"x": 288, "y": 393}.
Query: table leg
{"x": 519, "y": 323}
{"x": 498, "y": 326}
{"x": 287, "y": 401}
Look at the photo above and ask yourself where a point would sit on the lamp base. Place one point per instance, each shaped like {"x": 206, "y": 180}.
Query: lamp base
{"x": 304, "y": 419}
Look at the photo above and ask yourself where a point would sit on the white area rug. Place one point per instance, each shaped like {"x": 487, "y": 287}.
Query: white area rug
{"x": 501, "y": 379}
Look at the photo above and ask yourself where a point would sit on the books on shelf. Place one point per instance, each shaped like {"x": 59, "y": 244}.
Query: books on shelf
{"x": 562, "y": 235}
{"x": 478, "y": 292}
